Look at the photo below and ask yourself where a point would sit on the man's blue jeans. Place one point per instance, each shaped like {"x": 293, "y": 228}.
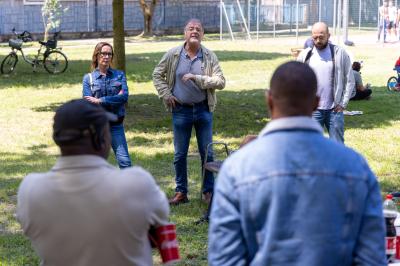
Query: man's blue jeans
{"x": 120, "y": 148}
{"x": 332, "y": 121}
{"x": 183, "y": 119}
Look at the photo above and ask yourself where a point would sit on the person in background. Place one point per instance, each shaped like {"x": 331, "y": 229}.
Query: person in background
{"x": 107, "y": 87}
{"x": 186, "y": 79}
{"x": 332, "y": 66}
{"x": 392, "y": 18}
{"x": 383, "y": 21}
{"x": 84, "y": 211}
{"x": 397, "y": 65}
{"x": 308, "y": 43}
{"x": 361, "y": 92}
{"x": 292, "y": 196}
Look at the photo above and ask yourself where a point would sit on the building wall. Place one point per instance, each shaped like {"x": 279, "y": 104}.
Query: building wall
{"x": 170, "y": 15}
{"x": 80, "y": 16}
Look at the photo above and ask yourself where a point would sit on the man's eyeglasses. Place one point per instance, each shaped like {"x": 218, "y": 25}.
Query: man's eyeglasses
{"x": 104, "y": 54}
{"x": 319, "y": 37}
{"x": 198, "y": 29}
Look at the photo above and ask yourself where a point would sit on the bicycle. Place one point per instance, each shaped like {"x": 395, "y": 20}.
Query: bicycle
{"x": 393, "y": 82}
{"x": 52, "y": 59}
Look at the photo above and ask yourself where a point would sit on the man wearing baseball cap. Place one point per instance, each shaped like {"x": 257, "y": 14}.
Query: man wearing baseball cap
{"x": 84, "y": 211}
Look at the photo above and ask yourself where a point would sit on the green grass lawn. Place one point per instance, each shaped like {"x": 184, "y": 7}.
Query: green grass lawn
{"x": 28, "y": 101}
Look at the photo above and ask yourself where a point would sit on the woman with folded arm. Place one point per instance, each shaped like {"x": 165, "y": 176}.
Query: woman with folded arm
{"x": 107, "y": 86}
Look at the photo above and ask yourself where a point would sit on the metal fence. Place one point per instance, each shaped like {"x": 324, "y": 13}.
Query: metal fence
{"x": 96, "y": 16}
{"x": 234, "y": 18}
{"x": 258, "y": 18}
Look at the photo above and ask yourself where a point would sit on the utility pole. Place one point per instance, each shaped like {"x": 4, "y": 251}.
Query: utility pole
{"x": 334, "y": 16}
{"x": 345, "y": 20}
{"x": 345, "y": 24}
{"x": 339, "y": 21}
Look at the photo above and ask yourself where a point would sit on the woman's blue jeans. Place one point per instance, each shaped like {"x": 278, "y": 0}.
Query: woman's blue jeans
{"x": 119, "y": 146}
{"x": 184, "y": 118}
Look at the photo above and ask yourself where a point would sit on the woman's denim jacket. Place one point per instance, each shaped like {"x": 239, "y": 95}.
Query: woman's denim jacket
{"x": 111, "y": 90}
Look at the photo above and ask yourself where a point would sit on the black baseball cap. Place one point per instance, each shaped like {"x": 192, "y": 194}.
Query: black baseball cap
{"x": 79, "y": 118}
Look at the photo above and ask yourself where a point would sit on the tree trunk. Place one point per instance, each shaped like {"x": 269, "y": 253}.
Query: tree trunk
{"x": 148, "y": 11}
{"x": 46, "y": 32}
{"x": 47, "y": 28}
{"x": 119, "y": 34}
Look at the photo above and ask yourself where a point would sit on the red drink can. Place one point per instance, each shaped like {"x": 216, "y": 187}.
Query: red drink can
{"x": 397, "y": 242}
{"x": 167, "y": 243}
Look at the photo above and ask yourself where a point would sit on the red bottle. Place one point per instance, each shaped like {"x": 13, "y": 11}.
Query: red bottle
{"x": 390, "y": 214}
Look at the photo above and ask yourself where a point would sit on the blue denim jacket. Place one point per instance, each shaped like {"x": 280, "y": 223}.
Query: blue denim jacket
{"x": 293, "y": 197}
{"x": 111, "y": 89}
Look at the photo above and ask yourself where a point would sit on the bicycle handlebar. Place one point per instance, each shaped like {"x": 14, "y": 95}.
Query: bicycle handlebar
{"x": 25, "y": 36}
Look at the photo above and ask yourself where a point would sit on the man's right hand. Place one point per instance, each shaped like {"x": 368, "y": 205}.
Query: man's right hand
{"x": 171, "y": 101}
{"x": 338, "y": 108}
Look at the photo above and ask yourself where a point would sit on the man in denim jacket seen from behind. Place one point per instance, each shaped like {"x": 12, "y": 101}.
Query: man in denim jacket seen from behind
{"x": 292, "y": 196}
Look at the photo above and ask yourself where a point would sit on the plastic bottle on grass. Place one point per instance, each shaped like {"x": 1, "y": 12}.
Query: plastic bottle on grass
{"x": 390, "y": 214}
{"x": 397, "y": 225}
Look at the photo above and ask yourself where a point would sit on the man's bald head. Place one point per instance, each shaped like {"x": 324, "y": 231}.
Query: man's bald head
{"x": 320, "y": 35}
{"x": 320, "y": 26}
{"x": 293, "y": 91}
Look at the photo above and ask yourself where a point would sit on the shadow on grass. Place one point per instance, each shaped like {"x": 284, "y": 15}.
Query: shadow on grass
{"x": 244, "y": 112}
{"x": 48, "y": 108}
{"x": 17, "y": 165}
{"x": 139, "y": 68}
{"x": 237, "y": 114}
{"x": 23, "y": 76}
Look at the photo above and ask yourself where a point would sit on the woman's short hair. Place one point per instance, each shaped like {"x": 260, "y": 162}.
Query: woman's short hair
{"x": 96, "y": 53}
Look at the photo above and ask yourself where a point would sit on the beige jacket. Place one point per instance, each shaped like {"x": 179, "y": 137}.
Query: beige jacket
{"x": 86, "y": 212}
{"x": 213, "y": 78}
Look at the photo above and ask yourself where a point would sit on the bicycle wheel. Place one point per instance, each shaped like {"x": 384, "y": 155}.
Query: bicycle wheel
{"x": 392, "y": 83}
{"x": 8, "y": 64}
{"x": 55, "y": 62}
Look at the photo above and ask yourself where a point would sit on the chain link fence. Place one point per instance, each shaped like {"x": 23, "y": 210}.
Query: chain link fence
{"x": 96, "y": 16}
{"x": 234, "y": 19}
{"x": 261, "y": 18}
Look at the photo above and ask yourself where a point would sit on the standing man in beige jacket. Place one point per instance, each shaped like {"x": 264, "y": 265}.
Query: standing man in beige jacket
{"x": 186, "y": 79}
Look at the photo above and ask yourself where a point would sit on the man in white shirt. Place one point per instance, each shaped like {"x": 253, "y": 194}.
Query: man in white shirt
{"x": 383, "y": 20}
{"x": 84, "y": 211}
{"x": 392, "y": 26}
{"x": 332, "y": 66}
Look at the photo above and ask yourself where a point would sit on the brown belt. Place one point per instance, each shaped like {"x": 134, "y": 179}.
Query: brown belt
{"x": 193, "y": 104}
